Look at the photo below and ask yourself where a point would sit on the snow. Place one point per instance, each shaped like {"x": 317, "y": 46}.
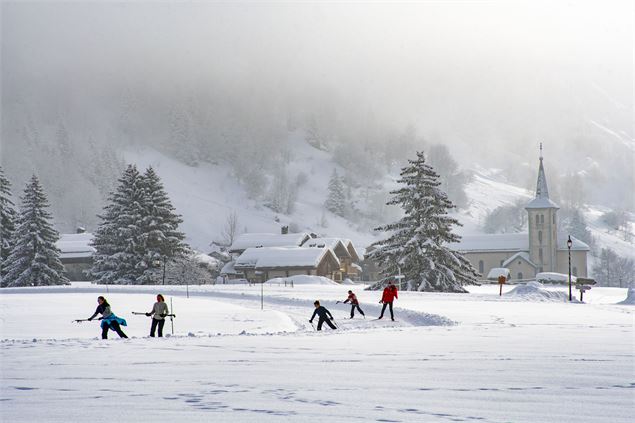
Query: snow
{"x": 75, "y": 245}
{"x": 630, "y": 297}
{"x": 535, "y": 291}
{"x": 495, "y": 272}
{"x": 274, "y": 257}
{"x": 251, "y": 240}
{"x": 448, "y": 357}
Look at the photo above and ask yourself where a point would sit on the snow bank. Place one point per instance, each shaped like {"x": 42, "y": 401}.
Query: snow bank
{"x": 535, "y": 291}
{"x": 630, "y": 297}
{"x": 303, "y": 280}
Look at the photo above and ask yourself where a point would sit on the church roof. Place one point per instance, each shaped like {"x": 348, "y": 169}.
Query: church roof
{"x": 493, "y": 242}
{"x": 576, "y": 245}
{"x": 520, "y": 255}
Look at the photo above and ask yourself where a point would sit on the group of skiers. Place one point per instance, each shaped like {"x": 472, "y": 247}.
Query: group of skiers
{"x": 110, "y": 321}
{"x": 389, "y": 295}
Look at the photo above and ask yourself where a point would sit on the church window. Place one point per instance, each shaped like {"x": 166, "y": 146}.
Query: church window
{"x": 481, "y": 266}
{"x": 542, "y": 218}
{"x": 537, "y": 219}
{"x": 540, "y": 254}
{"x": 575, "y": 271}
{"x": 502, "y": 261}
{"x": 540, "y": 236}
{"x": 520, "y": 275}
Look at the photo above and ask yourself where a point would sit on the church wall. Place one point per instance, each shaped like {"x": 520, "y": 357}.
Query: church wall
{"x": 490, "y": 259}
{"x": 578, "y": 261}
{"x": 521, "y": 266}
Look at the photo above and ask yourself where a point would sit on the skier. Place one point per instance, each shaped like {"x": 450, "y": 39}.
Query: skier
{"x": 158, "y": 313}
{"x": 354, "y": 304}
{"x": 108, "y": 319}
{"x": 389, "y": 295}
{"x": 324, "y": 316}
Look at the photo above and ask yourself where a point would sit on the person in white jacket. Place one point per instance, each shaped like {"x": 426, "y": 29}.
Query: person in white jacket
{"x": 158, "y": 313}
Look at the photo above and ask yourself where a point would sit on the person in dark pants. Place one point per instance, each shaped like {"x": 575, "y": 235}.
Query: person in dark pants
{"x": 324, "y": 316}
{"x": 158, "y": 313}
{"x": 108, "y": 319}
{"x": 352, "y": 298}
{"x": 387, "y": 298}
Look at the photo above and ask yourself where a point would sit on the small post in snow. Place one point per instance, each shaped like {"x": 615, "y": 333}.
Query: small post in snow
{"x": 501, "y": 281}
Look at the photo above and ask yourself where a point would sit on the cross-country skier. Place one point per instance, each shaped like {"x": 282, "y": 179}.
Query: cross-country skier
{"x": 324, "y": 316}
{"x": 352, "y": 298}
{"x": 158, "y": 313}
{"x": 108, "y": 319}
{"x": 389, "y": 295}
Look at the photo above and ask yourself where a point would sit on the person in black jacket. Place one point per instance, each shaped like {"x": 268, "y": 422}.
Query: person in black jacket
{"x": 325, "y": 316}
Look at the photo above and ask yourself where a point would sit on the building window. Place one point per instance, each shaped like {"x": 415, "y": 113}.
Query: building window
{"x": 481, "y": 266}
{"x": 537, "y": 220}
{"x": 575, "y": 271}
{"x": 540, "y": 270}
{"x": 542, "y": 218}
{"x": 502, "y": 261}
{"x": 540, "y": 236}
{"x": 540, "y": 254}
{"x": 520, "y": 275}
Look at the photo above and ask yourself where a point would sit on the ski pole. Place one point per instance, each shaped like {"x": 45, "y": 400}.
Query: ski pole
{"x": 80, "y": 320}
{"x": 312, "y": 325}
{"x": 172, "y": 317}
{"x": 138, "y": 313}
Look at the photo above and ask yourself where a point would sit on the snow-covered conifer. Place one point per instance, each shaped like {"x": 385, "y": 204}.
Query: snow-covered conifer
{"x": 118, "y": 240}
{"x": 336, "y": 199}
{"x": 7, "y": 220}
{"x": 161, "y": 238}
{"x": 34, "y": 258}
{"x": 418, "y": 242}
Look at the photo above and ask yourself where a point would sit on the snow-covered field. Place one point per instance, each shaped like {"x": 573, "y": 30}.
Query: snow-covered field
{"x": 448, "y": 357}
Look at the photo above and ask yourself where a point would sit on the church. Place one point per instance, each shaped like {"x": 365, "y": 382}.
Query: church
{"x": 542, "y": 249}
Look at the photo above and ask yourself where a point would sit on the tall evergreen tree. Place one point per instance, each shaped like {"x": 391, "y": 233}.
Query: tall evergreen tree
{"x": 119, "y": 240}
{"x": 7, "y": 220}
{"x": 161, "y": 238}
{"x": 418, "y": 244}
{"x": 34, "y": 258}
{"x": 336, "y": 199}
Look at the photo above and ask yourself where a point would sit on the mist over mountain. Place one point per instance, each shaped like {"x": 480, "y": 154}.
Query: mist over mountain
{"x": 226, "y": 84}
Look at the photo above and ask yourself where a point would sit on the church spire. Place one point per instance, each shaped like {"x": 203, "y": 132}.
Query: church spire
{"x": 541, "y": 186}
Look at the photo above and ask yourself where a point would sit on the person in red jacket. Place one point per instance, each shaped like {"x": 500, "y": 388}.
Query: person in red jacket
{"x": 389, "y": 295}
{"x": 352, "y": 298}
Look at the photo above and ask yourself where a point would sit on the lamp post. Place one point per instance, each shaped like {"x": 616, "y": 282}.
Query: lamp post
{"x": 569, "y": 244}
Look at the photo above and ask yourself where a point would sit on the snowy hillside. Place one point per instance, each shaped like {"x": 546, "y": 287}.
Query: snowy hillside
{"x": 207, "y": 194}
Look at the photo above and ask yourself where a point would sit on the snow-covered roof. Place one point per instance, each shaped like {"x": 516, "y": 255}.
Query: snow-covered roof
{"x": 332, "y": 243}
{"x": 493, "y": 242}
{"x": 276, "y": 257}
{"x": 521, "y": 255}
{"x": 228, "y": 269}
{"x": 75, "y": 245}
{"x": 244, "y": 241}
{"x": 495, "y": 272}
{"x": 576, "y": 245}
{"x": 541, "y": 203}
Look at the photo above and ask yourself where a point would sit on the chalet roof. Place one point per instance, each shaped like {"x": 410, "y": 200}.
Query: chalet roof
{"x": 244, "y": 241}
{"x": 228, "y": 269}
{"x": 332, "y": 243}
{"x": 75, "y": 245}
{"x": 283, "y": 257}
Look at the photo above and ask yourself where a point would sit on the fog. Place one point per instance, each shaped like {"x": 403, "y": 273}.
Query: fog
{"x": 488, "y": 79}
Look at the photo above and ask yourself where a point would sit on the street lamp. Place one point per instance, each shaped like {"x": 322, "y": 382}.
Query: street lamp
{"x": 569, "y": 244}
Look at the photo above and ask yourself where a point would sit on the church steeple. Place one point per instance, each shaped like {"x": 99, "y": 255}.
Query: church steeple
{"x": 541, "y": 186}
{"x": 541, "y": 200}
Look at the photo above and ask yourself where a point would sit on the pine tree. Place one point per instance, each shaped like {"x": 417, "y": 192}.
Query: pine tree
{"x": 8, "y": 217}
{"x": 418, "y": 244}
{"x": 34, "y": 258}
{"x": 118, "y": 240}
{"x": 161, "y": 238}
{"x": 336, "y": 200}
